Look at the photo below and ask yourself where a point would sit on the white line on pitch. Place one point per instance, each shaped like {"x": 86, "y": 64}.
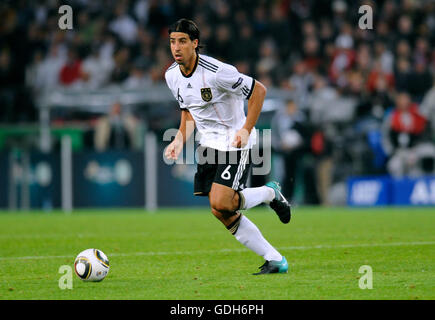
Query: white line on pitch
{"x": 161, "y": 253}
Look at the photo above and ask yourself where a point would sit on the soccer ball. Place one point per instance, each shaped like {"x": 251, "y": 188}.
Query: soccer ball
{"x": 91, "y": 265}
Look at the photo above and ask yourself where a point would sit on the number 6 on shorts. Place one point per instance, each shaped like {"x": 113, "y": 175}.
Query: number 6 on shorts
{"x": 226, "y": 175}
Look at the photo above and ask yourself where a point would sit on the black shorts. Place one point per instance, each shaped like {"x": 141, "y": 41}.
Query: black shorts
{"x": 229, "y": 168}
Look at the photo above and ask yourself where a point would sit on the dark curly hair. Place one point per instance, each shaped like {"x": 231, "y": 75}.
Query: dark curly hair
{"x": 186, "y": 26}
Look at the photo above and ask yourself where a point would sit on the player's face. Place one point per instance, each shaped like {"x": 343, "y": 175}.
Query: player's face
{"x": 182, "y": 48}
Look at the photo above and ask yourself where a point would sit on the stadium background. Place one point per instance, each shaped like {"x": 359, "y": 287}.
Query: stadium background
{"x": 58, "y": 87}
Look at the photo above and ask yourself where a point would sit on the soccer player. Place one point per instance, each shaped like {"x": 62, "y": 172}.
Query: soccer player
{"x": 210, "y": 94}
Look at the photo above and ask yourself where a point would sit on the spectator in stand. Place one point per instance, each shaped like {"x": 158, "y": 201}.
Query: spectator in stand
{"x": 326, "y": 33}
{"x": 300, "y": 82}
{"x": 340, "y": 9}
{"x": 384, "y": 56}
{"x": 422, "y": 52}
{"x": 160, "y": 65}
{"x": 402, "y": 74}
{"x": 309, "y": 29}
{"x": 116, "y": 130}
{"x": 124, "y": 25}
{"x": 383, "y": 34}
{"x": 344, "y": 56}
{"x": 71, "y": 72}
{"x": 222, "y": 11}
{"x": 139, "y": 77}
{"x": 260, "y": 21}
{"x": 321, "y": 100}
{"x": 403, "y": 49}
{"x": 268, "y": 59}
{"x": 222, "y": 45}
{"x": 7, "y": 96}
{"x": 311, "y": 55}
{"x": 420, "y": 81}
{"x": 379, "y": 74}
{"x": 405, "y": 29}
{"x": 364, "y": 60}
{"x": 85, "y": 29}
{"x": 247, "y": 46}
{"x": 380, "y": 99}
{"x": 288, "y": 138}
{"x": 108, "y": 46}
{"x": 141, "y": 11}
{"x": 51, "y": 66}
{"x": 427, "y": 108}
{"x": 403, "y": 133}
{"x": 34, "y": 73}
{"x": 389, "y": 12}
{"x": 121, "y": 66}
{"x": 277, "y": 26}
{"x": 96, "y": 70}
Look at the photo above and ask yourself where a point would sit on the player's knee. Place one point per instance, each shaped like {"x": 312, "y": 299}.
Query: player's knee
{"x": 220, "y": 207}
{"x": 224, "y": 201}
{"x": 225, "y": 217}
{"x": 218, "y": 214}
{"x": 222, "y": 204}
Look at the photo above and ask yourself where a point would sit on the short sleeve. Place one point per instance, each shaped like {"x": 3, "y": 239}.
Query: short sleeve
{"x": 228, "y": 78}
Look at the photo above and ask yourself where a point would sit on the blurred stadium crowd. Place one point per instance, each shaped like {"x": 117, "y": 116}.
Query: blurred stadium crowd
{"x": 362, "y": 98}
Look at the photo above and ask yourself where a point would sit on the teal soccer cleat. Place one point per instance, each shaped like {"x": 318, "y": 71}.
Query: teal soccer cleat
{"x": 280, "y": 204}
{"x": 273, "y": 267}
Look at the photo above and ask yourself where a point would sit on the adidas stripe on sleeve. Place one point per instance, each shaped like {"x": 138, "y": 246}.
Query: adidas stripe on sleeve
{"x": 229, "y": 79}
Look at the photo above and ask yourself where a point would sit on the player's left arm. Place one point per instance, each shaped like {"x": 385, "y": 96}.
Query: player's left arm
{"x": 255, "y": 104}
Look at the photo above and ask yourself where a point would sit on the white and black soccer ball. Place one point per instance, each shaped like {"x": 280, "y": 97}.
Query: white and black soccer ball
{"x": 91, "y": 265}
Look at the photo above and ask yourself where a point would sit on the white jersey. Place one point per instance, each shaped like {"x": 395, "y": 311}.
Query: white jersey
{"x": 214, "y": 94}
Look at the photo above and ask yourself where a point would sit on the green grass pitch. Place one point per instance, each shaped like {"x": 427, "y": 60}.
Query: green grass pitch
{"x": 188, "y": 254}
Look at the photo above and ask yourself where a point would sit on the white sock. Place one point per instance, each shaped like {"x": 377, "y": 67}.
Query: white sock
{"x": 250, "y": 236}
{"x": 254, "y": 196}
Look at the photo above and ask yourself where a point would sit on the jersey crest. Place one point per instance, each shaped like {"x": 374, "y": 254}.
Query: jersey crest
{"x": 206, "y": 94}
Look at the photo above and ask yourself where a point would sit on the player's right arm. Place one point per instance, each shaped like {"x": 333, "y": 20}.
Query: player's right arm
{"x": 187, "y": 126}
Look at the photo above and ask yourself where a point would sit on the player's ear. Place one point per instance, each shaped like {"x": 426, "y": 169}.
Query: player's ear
{"x": 195, "y": 43}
